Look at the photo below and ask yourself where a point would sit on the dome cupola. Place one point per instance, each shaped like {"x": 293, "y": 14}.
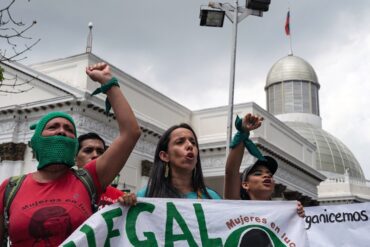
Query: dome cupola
{"x": 292, "y": 87}
{"x": 292, "y": 96}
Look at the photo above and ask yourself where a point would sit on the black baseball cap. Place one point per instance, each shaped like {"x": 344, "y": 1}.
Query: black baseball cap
{"x": 270, "y": 163}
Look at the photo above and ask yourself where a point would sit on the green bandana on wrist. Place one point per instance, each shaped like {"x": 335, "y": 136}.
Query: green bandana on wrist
{"x": 103, "y": 89}
{"x": 53, "y": 149}
{"x": 243, "y": 136}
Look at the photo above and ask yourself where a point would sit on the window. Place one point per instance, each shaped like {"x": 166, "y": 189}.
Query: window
{"x": 288, "y": 99}
{"x": 293, "y": 96}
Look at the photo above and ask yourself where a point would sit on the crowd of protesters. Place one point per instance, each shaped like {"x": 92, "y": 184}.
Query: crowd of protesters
{"x": 42, "y": 210}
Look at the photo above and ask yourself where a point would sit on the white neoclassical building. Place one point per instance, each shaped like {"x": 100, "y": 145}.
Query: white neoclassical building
{"x": 313, "y": 165}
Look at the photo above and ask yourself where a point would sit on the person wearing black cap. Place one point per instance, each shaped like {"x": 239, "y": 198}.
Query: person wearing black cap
{"x": 256, "y": 181}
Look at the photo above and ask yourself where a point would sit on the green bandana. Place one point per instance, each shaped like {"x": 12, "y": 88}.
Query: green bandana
{"x": 53, "y": 149}
{"x": 243, "y": 136}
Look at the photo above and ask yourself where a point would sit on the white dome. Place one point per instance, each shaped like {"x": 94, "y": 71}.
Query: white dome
{"x": 291, "y": 68}
{"x": 332, "y": 156}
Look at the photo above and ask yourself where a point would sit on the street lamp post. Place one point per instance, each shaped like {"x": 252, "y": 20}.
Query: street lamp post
{"x": 235, "y": 14}
{"x": 232, "y": 79}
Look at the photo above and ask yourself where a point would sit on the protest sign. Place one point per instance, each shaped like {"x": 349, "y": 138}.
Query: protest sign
{"x": 184, "y": 222}
{"x": 338, "y": 225}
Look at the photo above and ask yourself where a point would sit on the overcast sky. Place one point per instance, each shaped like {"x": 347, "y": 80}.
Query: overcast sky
{"x": 162, "y": 44}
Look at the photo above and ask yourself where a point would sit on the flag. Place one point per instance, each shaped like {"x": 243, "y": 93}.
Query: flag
{"x": 287, "y": 24}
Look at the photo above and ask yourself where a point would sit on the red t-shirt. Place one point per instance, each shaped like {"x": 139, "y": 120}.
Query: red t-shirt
{"x": 45, "y": 214}
{"x": 109, "y": 197}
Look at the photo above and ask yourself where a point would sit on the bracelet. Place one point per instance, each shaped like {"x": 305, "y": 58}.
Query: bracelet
{"x": 243, "y": 136}
{"x": 113, "y": 82}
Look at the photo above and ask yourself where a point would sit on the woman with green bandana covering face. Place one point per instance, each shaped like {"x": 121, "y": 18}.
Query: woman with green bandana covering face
{"x": 52, "y": 202}
{"x": 54, "y": 148}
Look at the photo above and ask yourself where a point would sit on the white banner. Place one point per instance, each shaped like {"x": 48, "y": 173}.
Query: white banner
{"x": 338, "y": 225}
{"x": 184, "y": 222}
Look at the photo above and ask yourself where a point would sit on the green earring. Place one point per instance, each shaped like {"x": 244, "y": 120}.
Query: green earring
{"x": 166, "y": 170}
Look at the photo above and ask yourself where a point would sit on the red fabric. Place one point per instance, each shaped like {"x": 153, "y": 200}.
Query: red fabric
{"x": 109, "y": 197}
{"x": 287, "y": 24}
{"x": 45, "y": 214}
